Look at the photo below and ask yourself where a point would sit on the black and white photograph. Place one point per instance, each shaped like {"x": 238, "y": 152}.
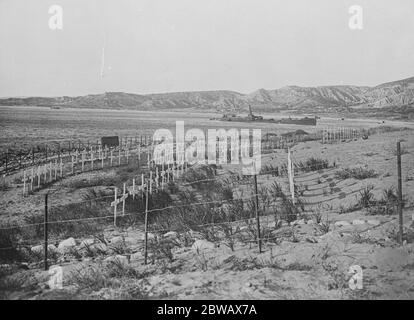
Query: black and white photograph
{"x": 215, "y": 153}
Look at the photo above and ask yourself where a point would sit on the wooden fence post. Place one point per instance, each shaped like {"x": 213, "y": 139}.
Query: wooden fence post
{"x": 146, "y": 225}
{"x": 256, "y": 207}
{"x": 290, "y": 175}
{"x": 115, "y": 203}
{"x": 400, "y": 216}
{"x": 45, "y": 227}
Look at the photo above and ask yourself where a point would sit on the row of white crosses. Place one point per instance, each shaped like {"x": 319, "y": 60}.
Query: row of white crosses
{"x": 156, "y": 181}
{"x": 98, "y": 156}
{"x": 33, "y": 178}
{"x": 279, "y": 142}
{"x": 331, "y": 134}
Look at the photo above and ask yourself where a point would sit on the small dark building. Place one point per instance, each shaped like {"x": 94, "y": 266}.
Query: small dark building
{"x": 110, "y": 142}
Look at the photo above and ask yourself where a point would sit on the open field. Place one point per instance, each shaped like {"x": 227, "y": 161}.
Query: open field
{"x": 210, "y": 251}
{"x": 25, "y": 126}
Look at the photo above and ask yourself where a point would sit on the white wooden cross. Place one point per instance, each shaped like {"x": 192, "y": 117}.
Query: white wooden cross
{"x": 102, "y": 157}
{"x": 123, "y": 198}
{"x": 162, "y": 179}
{"x": 112, "y": 157}
{"x": 31, "y": 179}
{"x": 127, "y": 155}
{"x": 72, "y": 163}
{"x": 135, "y": 190}
{"x": 157, "y": 178}
{"x": 83, "y": 160}
{"x": 92, "y": 159}
{"x": 150, "y": 183}
{"x": 114, "y": 204}
{"x": 56, "y": 167}
{"x": 168, "y": 172}
{"x": 39, "y": 175}
{"x": 50, "y": 171}
{"x": 119, "y": 157}
{"x": 61, "y": 168}
{"x": 24, "y": 182}
{"x": 174, "y": 172}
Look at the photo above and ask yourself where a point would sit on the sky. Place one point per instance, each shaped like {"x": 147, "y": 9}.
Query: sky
{"x": 155, "y": 46}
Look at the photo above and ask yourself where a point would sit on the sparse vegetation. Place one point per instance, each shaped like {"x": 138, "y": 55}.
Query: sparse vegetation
{"x": 356, "y": 173}
{"x": 312, "y": 164}
{"x": 366, "y": 197}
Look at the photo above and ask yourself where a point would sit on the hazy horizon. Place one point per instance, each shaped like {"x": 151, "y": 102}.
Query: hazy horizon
{"x": 160, "y": 46}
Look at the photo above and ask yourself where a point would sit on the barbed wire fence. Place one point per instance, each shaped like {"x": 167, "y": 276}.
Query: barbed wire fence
{"x": 158, "y": 176}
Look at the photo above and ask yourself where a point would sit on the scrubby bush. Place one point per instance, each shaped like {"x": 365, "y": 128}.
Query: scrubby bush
{"x": 366, "y": 197}
{"x": 312, "y": 164}
{"x": 356, "y": 173}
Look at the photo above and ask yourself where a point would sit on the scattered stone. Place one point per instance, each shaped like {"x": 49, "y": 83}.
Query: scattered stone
{"x": 39, "y": 249}
{"x": 117, "y": 239}
{"x": 150, "y": 236}
{"x": 51, "y": 248}
{"x": 310, "y": 222}
{"x": 374, "y": 222}
{"x": 358, "y": 222}
{"x": 5, "y": 267}
{"x": 23, "y": 265}
{"x": 311, "y": 240}
{"x": 201, "y": 245}
{"x": 171, "y": 234}
{"x": 342, "y": 224}
{"x": 67, "y": 244}
{"x": 118, "y": 259}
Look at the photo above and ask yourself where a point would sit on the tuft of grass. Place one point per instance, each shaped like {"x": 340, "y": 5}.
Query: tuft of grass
{"x": 356, "y": 173}
{"x": 366, "y": 197}
{"x": 113, "y": 275}
{"x": 313, "y": 164}
{"x": 323, "y": 227}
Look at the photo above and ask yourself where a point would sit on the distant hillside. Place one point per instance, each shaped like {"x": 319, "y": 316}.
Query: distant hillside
{"x": 390, "y": 98}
